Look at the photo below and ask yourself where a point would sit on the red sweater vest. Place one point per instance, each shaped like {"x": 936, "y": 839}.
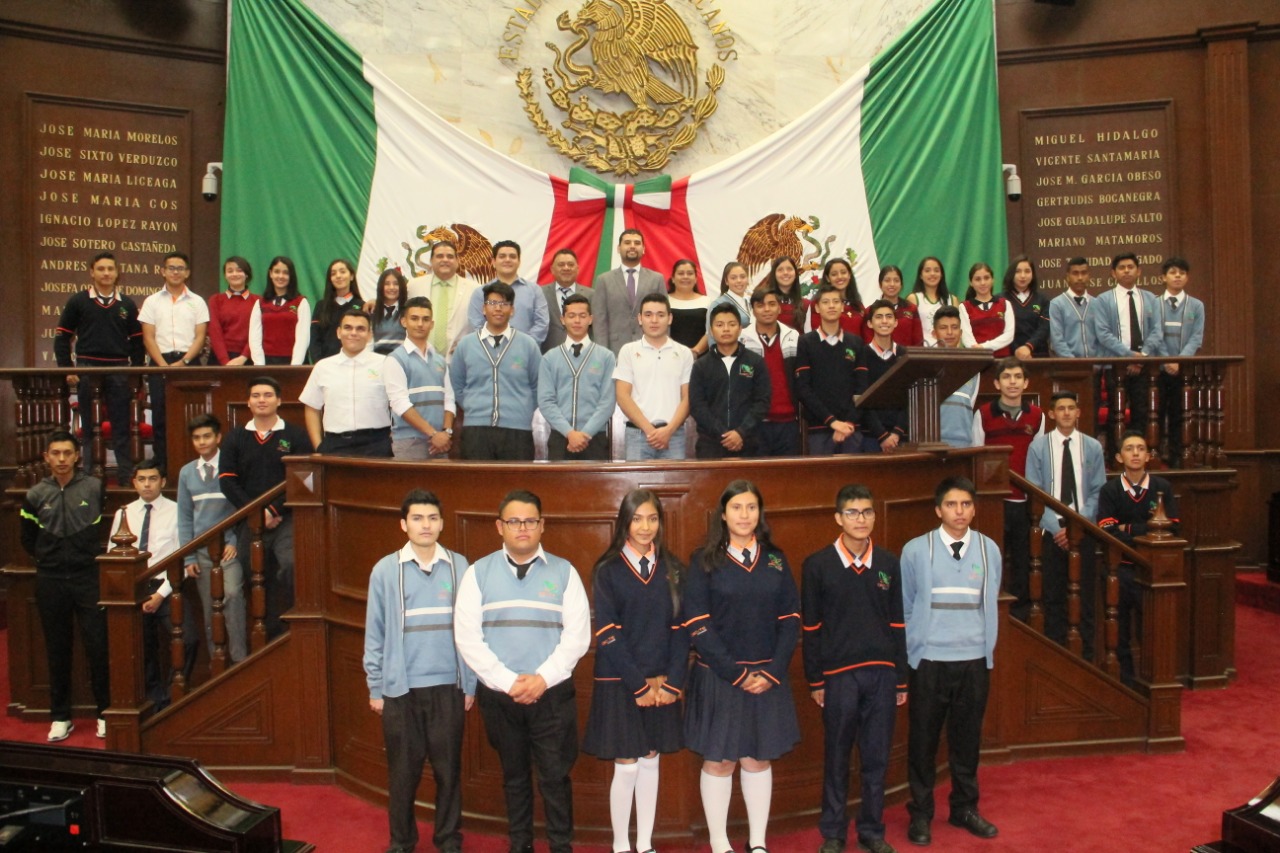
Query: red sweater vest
{"x": 908, "y": 333}
{"x": 781, "y": 407}
{"x": 229, "y": 325}
{"x": 990, "y": 323}
{"x": 1000, "y": 429}
{"x": 279, "y": 327}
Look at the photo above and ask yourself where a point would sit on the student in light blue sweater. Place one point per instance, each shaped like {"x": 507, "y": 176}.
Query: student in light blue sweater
{"x": 201, "y": 505}
{"x": 494, "y": 373}
{"x": 950, "y": 586}
{"x": 418, "y": 683}
{"x": 957, "y": 409}
{"x": 576, "y": 390}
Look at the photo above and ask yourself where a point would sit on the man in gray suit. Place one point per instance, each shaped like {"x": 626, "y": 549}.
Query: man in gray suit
{"x": 616, "y": 294}
{"x": 564, "y": 268}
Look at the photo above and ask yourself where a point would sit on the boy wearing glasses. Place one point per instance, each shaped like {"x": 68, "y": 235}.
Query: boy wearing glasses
{"x": 521, "y": 623}
{"x": 494, "y": 374}
{"x": 855, "y": 660}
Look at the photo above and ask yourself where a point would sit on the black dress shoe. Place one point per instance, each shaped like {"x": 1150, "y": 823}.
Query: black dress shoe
{"x": 918, "y": 831}
{"x": 975, "y": 823}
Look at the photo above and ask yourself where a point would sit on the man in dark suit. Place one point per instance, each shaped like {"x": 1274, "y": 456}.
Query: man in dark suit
{"x": 616, "y": 294}
{"x": 564, "y": 268}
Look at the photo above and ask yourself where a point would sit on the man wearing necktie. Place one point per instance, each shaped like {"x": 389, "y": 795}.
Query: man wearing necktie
{"x": 616, "y": 294}
{"x": 576, "y": 389}
{"x": 1069, "y": 465}
{"x": 564, "y": 270}
{"x": 1123, "y": 323}
{"x": 950, "y": 586}
{"x": 522, "y": 622}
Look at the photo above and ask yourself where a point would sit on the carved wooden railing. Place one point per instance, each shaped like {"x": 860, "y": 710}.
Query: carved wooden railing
{"x": 124, "y": 575}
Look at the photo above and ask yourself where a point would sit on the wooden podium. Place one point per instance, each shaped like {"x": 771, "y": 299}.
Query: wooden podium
{"x": 918, "y": 382}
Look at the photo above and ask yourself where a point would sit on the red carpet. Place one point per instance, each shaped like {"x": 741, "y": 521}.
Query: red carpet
{"x": 1131, "y": 803}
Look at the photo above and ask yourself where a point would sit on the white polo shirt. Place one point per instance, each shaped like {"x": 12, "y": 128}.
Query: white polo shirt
{"x": 174, "y": 319}
{"x": 350, "y": 391}
{"x": 655, "y": 375}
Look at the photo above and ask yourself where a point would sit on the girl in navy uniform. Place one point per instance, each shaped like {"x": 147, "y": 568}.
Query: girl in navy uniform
{"x": 642, "y": 658}
{"x": 741, "y": 608}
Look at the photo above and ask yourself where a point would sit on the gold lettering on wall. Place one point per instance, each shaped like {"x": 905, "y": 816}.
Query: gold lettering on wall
{"x": 107, "y": 178}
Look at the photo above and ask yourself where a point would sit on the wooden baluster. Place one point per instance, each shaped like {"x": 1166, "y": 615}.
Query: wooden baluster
{"x": 1197, "y": 414}
{"x": 1075, "y": 643}
{"x": 1186, "y": 458}
{"x": 1217, "y": 457}
{"x": 177, "y": 648}
{"x": 1111, "y": 638}
{"x": 24, "y": 447}
{"x": 119, "y": 570}
{"x": 257, "y": 588}
{"x": 1151, "y": 429}
{"x": 91, "y": 426}
{"x": 137, "y": 388}
{"x": 1035, "y": 574}
{"x": 217, "y": 619}
{"x": 1119, "y": 402}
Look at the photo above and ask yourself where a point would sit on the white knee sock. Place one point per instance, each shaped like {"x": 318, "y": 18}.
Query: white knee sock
{"x": 620, "y": 794}
{"x": 646, "y": 802}
{"x": 716, "y": 791}
{"x": 757, "y": 792}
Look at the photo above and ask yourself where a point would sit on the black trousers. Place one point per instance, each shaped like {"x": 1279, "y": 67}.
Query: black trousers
{"x": 951, "y": 694}
{"x": 424, "y": 724}
{"x": 370, "y": 443}
{"x": 1054, "y": 568}
{"x": 156, "y": 628}
{"x": 542, "y": 737}
{"x": 1171, "y": 411}
{"x": 1017, "y": 557}
{"x": 1128, "y": 620}
{"x": 778, "y": 438}
{"x": 159, "y": 424}
{"x": 115, "y": 391}
{"x": 709, "y": 447}
{"x": 277, "y": 573}
{"x": 60, "y": 598}
{"x": 497, "y": 443}
{"x": 597, "y": 450}
{"x": 858, "y": 708}
{"x": 1135, "y": 389}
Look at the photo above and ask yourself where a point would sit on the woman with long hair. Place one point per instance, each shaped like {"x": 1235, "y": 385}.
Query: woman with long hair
{"x": 929, "y": 293}
{"x": 386, "y": 308}
{"x": 1030, "y": 309}
{"x": 279, "y": 327}
{"x": 735, "y": 283}
{"x": 230, "y": 313}
{"x": 741, "y": 608}
{"x": 784, "y": 280}
{"x": 908, "y": 332}
{"x": 341, "y": 291}
{"x": 838, "y": 273}
{"x": 642, "y": 657}
{"x": 688, "y": 307}
{"x": 990, "y": 316}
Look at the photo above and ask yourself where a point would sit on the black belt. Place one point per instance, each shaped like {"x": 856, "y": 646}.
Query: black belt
{"x": 360, "y": 433}
{"x": 656, "y": 425}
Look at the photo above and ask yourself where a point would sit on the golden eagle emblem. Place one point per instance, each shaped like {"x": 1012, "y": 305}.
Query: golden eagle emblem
{"x": 475, "y": 251}
{"x": 781, "y": 236}
{"x": 633, "y": 45}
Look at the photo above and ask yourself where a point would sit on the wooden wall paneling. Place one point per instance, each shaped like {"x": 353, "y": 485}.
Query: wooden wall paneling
{"x": 1264, "y": 145}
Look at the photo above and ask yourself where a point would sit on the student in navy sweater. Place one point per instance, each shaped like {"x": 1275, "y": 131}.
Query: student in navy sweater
{"x": 741, "y": 608}
{"x": 882, "y": 429}
{"x": 855, "y": 660}
{"x": 950, "y": 585}
{"x": 417, "y": 682}
{"x": 642, "y": 659}
{"x": 826, "y": 359}
{"x": 729, "y": 391}
{"x": 1125, "y": 505}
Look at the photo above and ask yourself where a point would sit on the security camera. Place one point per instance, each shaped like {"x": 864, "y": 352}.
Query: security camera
{"x": 1012, "y": 183}
{"x": 209, "y": 186}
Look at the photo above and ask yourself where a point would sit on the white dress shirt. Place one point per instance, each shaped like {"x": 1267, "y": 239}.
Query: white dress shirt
{"x": 350, "y": 391}
{"x": 162, "y": 535}
{"x": 1122, "y": 308}
{"x": 174, "y": 319}
{"x": 468, "y": 631}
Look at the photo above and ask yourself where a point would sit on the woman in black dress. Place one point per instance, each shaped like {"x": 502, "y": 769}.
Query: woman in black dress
{"x": 688, "y": 307}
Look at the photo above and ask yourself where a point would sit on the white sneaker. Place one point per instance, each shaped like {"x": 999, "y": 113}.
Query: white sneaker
{"x": 102, "y": 728}
{"x": 60, "y": 730}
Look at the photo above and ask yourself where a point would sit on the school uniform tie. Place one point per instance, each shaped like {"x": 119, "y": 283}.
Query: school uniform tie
{"x": 956, "y": 548}
{"x": 1173, "y": 303}
{"x": 145, "y": 538}
{"x": 644, "y": 567}
{"x": 1067, "y": 488}
{"x": 565, "y": 293}
{"x": 206, "y": 471}
{"x": 631, "y": 285}
{"x": 1135, "y": 325}
{"x": 1079, "y": 300}
{"x": 497, "y": 341}
{"x": 522, "y": 569}
{"x": 577, "y": 350}
{"x": 746, "y": 556}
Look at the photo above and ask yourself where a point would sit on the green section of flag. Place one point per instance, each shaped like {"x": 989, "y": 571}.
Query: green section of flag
{"x": 931, "y": 145}
{"x": 300, "y": 142}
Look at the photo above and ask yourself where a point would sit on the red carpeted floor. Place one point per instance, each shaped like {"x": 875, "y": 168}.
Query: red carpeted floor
{"x": 1130, "y": 803}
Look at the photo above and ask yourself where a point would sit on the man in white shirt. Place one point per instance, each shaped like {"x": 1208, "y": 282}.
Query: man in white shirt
{"x": 652, "y": 378}
{"x": 450, "y": 295}
{"x": 522, "y": 623}
{"x": 616, "y": 294}
{"x": 174, "y": 321}
{"x": 153, "y": 518}
{"x": 348, "y": 413}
